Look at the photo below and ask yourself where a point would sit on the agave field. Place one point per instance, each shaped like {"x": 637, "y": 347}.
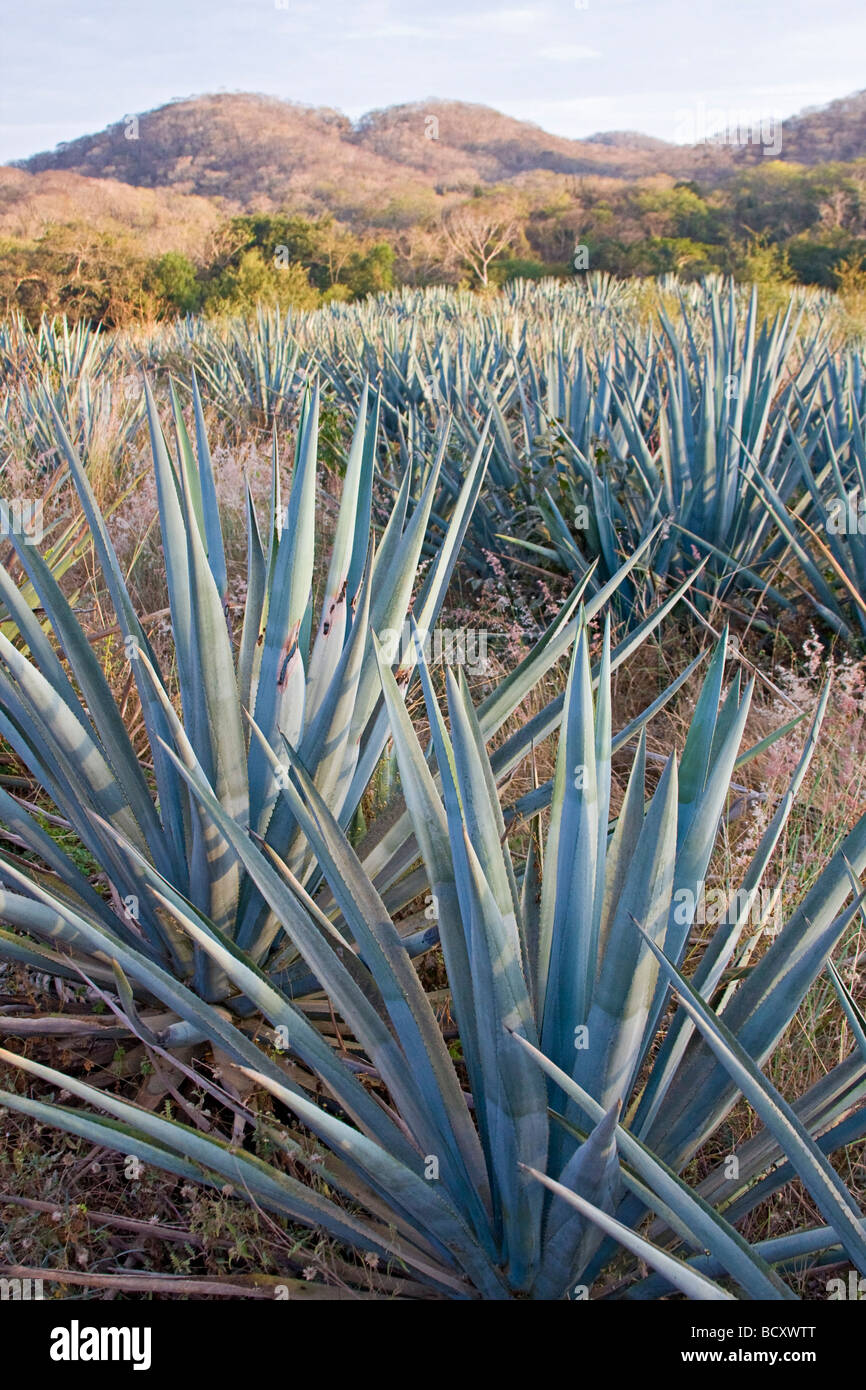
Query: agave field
{"x": 431, "y": 808}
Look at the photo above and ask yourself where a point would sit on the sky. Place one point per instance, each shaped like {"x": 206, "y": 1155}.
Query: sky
{"x": 676, "y": 69}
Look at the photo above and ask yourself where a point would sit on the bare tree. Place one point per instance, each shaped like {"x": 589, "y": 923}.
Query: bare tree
{"x": 477, "y": 233}
{"x": 835, "y": 209}
{"x": 337, "y": 245}
{"x": 423, "y": 258}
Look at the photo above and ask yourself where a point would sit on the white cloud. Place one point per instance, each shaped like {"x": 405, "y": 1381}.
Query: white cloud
{"x": 448, "y": 27}
{"x": 498, "y": 21}
{"x": 557, "y": 109}
{"x": 389, "y": 31}
{"x": 567, "y": 53}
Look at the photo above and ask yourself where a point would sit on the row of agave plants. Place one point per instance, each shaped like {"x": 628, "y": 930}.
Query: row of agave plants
{"x": 744, "y": 438}
{"x": 727, "y": 437}
{"x": 236, "y": 907}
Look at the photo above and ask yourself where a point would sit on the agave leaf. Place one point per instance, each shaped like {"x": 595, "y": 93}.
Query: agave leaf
{"x": 168, "y": 1144}
{"x": 827, "y": 1189}
{"x": 213, "y": 536}
{"x": 438, "y": 577}
{"x": 15, "y": 818}
{"x": 47, "y": 918}
{"x": 681, "y": 1275}
{"x": 221, "y": 745}
{"x": 432, "y": 830}
{"x": 299, "y": 1035}
{"x": 515, "y": 747}
{"x": 352, "y": 530}
{"x": 385, "y": 955}
{"x": 27, "y": 952}
{"x": 280, "y": 692}
{"x": 708, "y": 1229}
{"x": 762, "y": 1006}
{"x": 254, "y": 608}
{"x": 848, "y": 1131}
{"x": 176, "y": 553}
{"x": 695, "y": 761}
{"x": 626, "y": 980}
{"x": 696, "y": 846}
{"x": 514, "y": 1094}
{"x": 718, "y": 952}
{"x": 46, "y": 721}
{"x": 573, "y": 851}
{"x": 482, "y": 814}
{"x": 430, "y": 1208}
{"x": 325, "y": 744}
{"x": 363, "y": 1015}
{"x": 854, "y": 1015}
{"x": 569, "y": 1240}
{"x": 89, "y": 677}
{"x": 820, "y": 1107}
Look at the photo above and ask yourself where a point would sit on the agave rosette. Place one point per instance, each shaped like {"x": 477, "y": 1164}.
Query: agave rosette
{"x": 522, "y": 1169}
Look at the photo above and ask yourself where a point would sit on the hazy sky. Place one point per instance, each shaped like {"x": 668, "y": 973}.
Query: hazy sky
{"x": 69, "y": 67}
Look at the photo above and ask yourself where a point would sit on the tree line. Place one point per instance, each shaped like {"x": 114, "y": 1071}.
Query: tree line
{"x": 776, "y": 221}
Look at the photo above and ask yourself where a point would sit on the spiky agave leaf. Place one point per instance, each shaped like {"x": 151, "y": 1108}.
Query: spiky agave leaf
{"x": 60, "y": 716}
{"x": 468, "y": 1207}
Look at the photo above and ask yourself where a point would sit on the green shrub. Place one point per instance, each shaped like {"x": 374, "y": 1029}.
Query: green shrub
{"x": 254, "y": 280}
{"x": 175, "y": 280}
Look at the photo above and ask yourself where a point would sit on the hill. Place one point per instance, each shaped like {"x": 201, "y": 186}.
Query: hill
{"x": 207, "y": 203}
{"x": 259, "y": 153}
{"x": 159, "y": 219}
